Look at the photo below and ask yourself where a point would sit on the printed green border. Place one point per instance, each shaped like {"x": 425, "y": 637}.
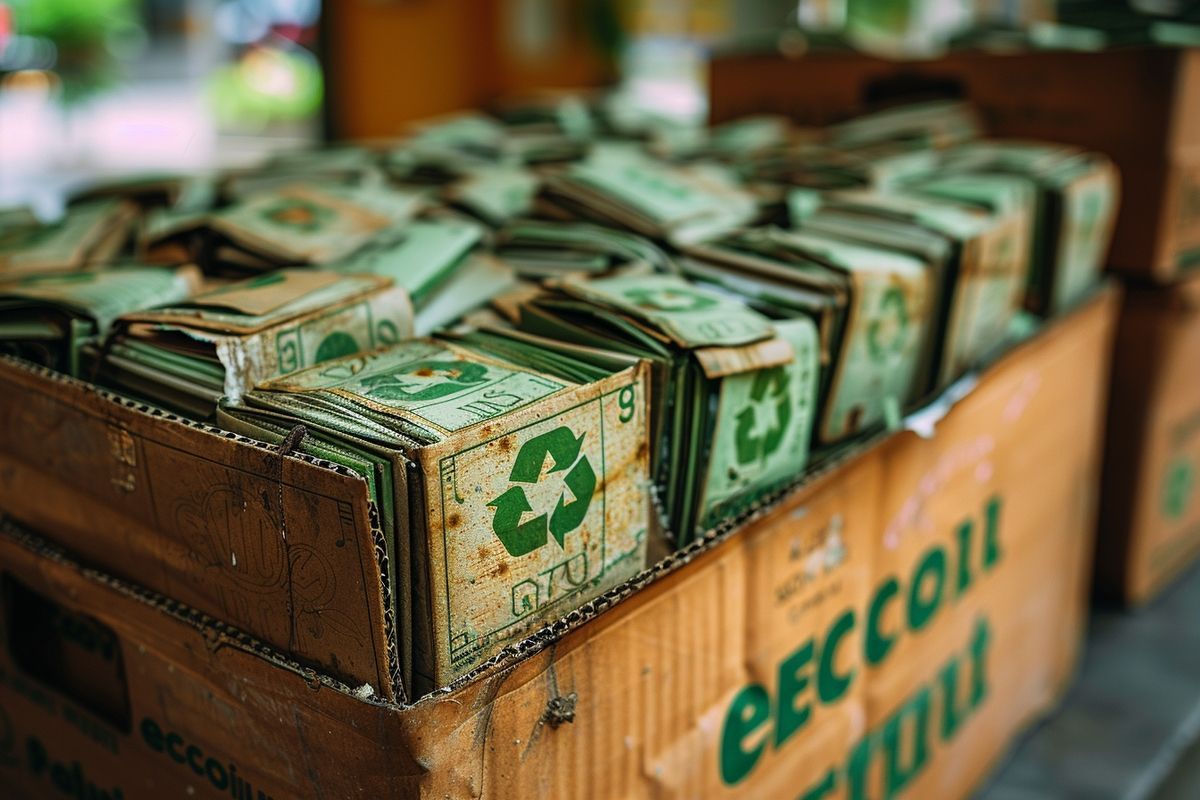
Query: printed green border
{"x": 442, "y": 464}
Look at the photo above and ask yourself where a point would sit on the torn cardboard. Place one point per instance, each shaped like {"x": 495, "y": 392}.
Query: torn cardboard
{"x": 285, "y": 548}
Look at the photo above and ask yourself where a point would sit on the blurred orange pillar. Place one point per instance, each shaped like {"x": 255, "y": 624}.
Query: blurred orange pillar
{"x": 392, "y": 61}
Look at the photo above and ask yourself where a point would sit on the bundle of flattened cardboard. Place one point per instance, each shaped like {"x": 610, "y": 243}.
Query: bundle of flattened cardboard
{"x": 1150, "y": 521}
{"x": 554, "y": 349}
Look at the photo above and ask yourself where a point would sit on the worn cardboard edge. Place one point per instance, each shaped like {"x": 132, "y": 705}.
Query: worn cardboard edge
{"x": 1115, "y": 294}
{"x": 546, "y": 636}
{"x": 215, "y": 632}
{"x": 389, "y": 615}
{"x": 807, "y": 482}
{"x": 80, "y": 391}
{"x": 82, "y": 388}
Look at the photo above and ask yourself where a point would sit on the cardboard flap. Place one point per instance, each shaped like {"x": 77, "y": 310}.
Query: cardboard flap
{"x": 261, "y": 295}
{"x": 693, "y": 317}
{"x": 144, "y": 678}
{"x": 717, "y": 362}
{"x": 281, "y": 546}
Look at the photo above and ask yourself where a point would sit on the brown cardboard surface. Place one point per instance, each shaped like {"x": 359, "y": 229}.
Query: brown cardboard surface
{"x": 287, "y": 548}
{"x": 281, "y": 547}
{"x": 815, "y": 646}
{"x": 1150, "y": 518}
{"x": 1146, "y": 119}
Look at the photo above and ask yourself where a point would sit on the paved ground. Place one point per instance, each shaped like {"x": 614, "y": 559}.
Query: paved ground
{"x": 1129, "y": 729}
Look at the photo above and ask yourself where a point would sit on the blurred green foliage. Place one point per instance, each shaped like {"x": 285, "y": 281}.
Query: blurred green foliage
{"x": 267, "y": 84}
{"x": 89, "y": 37}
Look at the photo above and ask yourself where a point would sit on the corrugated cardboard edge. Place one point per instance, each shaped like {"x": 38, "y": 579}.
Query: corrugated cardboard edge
{"x": 510, "y": 657}
{"x": 479, "y": 735}
{"x": 920, "y": 423}
{"x": 83, "y": 393}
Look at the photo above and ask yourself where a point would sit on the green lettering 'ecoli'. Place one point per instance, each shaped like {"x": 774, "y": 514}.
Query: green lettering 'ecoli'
{"x": 749, "y": 711}
{"x": 923, "y": 605}
{"x": 830, "y": 685}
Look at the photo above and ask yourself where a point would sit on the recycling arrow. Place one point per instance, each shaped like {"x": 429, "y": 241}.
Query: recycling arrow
{"x": 564, "y": 449}
{"x": 581, "y": 480}
{"x": 425, "y": 380}
{"x": 749, "y": 446}
{"x": 559, "y": 444}
{"x": 518, "y": 538}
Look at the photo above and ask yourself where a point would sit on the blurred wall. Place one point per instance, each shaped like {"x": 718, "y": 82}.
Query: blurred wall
{"x": 392, "y": 61}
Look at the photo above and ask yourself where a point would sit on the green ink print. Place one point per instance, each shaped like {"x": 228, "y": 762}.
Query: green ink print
{"x": 336, "y": 345}
{"x": 563, "y": 447}
{"x": 887, "y": 332}
{"x": 669, "y": 299}
{"x": 1177, "y": 491}
{"x": 425, "y": 380}
{"x": 761, "y": 425}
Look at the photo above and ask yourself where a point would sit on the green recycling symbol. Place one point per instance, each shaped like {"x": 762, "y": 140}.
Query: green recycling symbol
{"x": 768, "y": 396}
{"x": 1177, "y": 491}
{"x": 336, "y": 345}
{"x": 425, "y": 380}
{"x": 303, "y": 215}
{"x": 885, "y": 334}
{"x": 520, "y": 538}
{"x": 669, "y": 299}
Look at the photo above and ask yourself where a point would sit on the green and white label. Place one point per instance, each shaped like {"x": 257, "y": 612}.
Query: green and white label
{"x": 427, "y": 381}
{"x": 532, "y": 517}
{"x": 763, "y": 426}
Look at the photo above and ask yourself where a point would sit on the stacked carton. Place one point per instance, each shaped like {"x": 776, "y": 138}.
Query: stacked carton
{"x": 847, "y": 393}
{"x": 1137, "y": 105}
{"x": 884, "y": 631}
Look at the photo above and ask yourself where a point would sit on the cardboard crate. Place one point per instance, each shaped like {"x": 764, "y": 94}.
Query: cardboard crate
{"x": 290, "y": 550}
{"x": 1150, "y": 520}
{"x": 884, "y": 630}
{"x": 1137, "y": 105}
{"x": 168, "y": 504}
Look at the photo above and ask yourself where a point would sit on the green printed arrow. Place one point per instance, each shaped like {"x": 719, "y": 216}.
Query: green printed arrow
{"x": 425, "y": 380}
{"x": 564, "y": 448}
{"x": 768, "y": 395}
{"x": 581, "y": 480}
{"x": 518, "y": 538}
{"x": 559, "y": 444}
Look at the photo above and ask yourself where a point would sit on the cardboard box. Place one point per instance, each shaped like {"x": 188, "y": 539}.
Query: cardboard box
{"x": 168, "y": 504}
{"x": 290, "y": 550}
{"x": 1136, "y": 105}
{"x": 1150, "y": 520}
{"x": 884, "y": 630}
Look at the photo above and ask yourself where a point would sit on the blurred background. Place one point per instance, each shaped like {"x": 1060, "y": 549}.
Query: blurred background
{"x": 98, "y": 89}
{"x": 89, "y": 88}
